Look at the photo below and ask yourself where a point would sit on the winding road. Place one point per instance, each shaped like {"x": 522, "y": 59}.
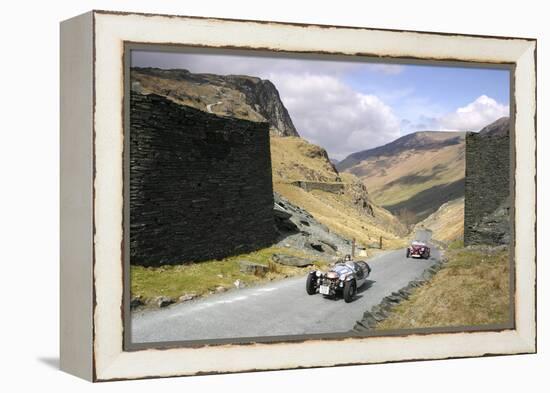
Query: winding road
{"x": 278, "y": 308}
{"x": 209, "y": 106}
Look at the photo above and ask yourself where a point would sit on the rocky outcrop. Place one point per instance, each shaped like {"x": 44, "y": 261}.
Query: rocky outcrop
{"x": 239, "y": 96}
{"x": 263, "y": 96}
{"x": 501, "y": 127}
{"x": 253, "y": 268}
{"x": 487, "y": 188}
{"x": 493, "y": 228}
{"x": 300, "y": 230}
{"x": 291, "y": 260}
{"x": 359, "y": 195}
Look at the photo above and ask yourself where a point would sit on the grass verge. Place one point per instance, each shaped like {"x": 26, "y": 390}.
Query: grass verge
{"x": 471, "y": 289}
{"x": 204, "y": 278}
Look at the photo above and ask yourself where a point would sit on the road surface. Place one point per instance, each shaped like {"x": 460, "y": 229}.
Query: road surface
{"x": 209, "y": 106}
{"x": 278, "y": 308}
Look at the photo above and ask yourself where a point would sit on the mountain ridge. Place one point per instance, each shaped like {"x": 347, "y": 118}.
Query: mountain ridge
{"x": 413, "y": 175}
{"x": 241, "y": 96}
{"x": 419, "y": 140}
{"x": 499, "y": 127}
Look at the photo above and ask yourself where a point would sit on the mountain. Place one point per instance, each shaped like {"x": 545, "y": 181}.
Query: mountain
{"x": 500, "y": 127}
{"x": 340, "y": 202}
{"x": 418, "y": 141}
{"x": 294, "y": 158}
{"x": 413, "y": 175}
{"x": 240, "y": 96}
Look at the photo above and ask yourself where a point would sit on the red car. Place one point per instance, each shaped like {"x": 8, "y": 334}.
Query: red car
{"x": 418, "y": 250}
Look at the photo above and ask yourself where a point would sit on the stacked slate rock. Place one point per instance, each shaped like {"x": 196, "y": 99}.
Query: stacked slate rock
{"x": 200, "y": 184}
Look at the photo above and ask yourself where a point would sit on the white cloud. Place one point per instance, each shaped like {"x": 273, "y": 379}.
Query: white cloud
{"x": 331, "y": 114}
{"x": 474, "y": 116}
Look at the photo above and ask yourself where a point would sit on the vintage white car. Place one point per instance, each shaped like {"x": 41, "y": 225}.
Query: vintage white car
{"x": 343, "y": 279}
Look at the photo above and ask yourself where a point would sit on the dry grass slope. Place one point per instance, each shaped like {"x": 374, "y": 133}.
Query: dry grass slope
{"x": 447, "y": 223}
{"x": 340, "y": 216}
{"x": 224, "y": 101}
{"x": 472, "y": 289}
{"x": 293, "y": 158}
{"x": 203, "y": 278}
{"x": 394, "y": 180}
{"x": 296, "y": 159}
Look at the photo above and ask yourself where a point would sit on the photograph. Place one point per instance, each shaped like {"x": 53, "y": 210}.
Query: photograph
{"x": 284, "y": 196}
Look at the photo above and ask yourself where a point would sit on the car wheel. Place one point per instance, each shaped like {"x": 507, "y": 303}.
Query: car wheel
{"x": 310, "y": 284}
{"x": 350, "y": 289}
{"x": 408, "y": 254}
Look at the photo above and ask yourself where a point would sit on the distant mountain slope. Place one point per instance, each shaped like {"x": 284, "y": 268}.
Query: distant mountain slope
{"x": 501, "y": 127}
{"x": 418, "y": 141}
{"x": 413, "y": 175}
{"x": 238, "y": 96}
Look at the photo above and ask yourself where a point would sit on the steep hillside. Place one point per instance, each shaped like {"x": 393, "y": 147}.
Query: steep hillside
{"x": 447, "y": 223}
{"x": 340, "y": 202}
{"x": 501, "y": 127}
{"x": 240, "y": 96}
{"x": 294, "y": 158}
{"x": 413, "y": 175}
{"x": 349, "y": 211}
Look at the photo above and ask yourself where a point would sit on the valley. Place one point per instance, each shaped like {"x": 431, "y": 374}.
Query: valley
{"x": 382, "y": 193}
{"x": 415, "y": 174}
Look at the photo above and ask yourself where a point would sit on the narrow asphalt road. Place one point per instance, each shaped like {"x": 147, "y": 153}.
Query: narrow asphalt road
{"x": 278, "y": 308}
{"x": 209, "y": 106}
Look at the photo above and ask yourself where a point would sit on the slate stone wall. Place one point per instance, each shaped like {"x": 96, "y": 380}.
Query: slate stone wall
{"x": 334, "y": 188}
{"x": 200, "y": 184}
{"x": 487, "y": 188}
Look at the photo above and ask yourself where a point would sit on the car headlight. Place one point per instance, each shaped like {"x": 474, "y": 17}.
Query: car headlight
{"x": 318, "y": 273}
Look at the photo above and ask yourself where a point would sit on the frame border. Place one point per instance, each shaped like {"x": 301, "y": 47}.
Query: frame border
{"x": 172, "y": 48}
{"x": 110, "y": 362}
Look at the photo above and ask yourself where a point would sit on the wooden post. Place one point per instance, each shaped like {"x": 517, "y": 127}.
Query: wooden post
{"x": 380, "y": 242}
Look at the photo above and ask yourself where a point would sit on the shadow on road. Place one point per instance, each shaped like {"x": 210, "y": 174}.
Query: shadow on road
{"x": 365, "y": 286}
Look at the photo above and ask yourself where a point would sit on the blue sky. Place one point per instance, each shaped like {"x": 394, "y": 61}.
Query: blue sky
{"x": 437, "y": 90}
{"x": 350, "y": 106}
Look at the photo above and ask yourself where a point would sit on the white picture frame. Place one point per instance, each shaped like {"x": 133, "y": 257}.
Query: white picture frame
{"x": 92, "y": 181}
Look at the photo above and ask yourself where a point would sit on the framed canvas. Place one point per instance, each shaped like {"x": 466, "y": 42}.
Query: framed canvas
{"x": 247, "y": 195}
